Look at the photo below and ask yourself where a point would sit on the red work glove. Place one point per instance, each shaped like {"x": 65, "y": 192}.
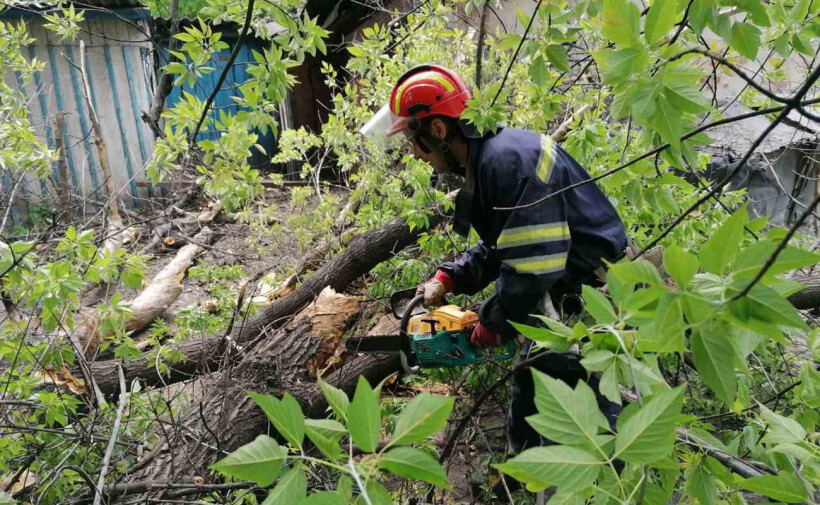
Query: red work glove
{"x": 435, "y": 289}
{"x": 483, "y": 337}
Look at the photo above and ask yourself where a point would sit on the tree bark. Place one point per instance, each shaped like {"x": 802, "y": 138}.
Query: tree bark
{"x": 221, "y": 416}
{"x": 809, "y": 298}
{"x": 364, "y": 252}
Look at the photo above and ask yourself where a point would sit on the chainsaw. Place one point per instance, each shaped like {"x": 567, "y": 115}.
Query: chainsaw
{"x": 434, "y": 339}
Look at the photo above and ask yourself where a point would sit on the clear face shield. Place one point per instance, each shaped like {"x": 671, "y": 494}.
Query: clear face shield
{"x": 383, "y": 124}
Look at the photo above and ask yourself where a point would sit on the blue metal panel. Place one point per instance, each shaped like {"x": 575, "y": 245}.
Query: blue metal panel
{"x": 55, "y": 75}
{"x": 94, "y": 175}
{"x": 77, "y": 85}
{"x": 129, "y": 71}
{"x": 223, "y": 100}
{"x": 112, "y": 81}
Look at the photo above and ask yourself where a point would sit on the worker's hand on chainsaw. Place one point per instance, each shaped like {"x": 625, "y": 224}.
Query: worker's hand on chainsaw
{"x": 435, "y": 289}
{"x": 484, "y": 337}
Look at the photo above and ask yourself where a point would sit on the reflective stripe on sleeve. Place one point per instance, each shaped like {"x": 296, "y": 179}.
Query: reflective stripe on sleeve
{"x": 547, "y": 158}
{"x": 539, "y": 265}
{"x": 533, "y": 234}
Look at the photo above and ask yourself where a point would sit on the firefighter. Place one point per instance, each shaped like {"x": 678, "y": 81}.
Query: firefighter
{"x": 535, "y": 248}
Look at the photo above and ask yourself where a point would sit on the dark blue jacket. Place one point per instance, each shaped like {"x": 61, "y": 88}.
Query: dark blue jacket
{"x": 556, "y": 244}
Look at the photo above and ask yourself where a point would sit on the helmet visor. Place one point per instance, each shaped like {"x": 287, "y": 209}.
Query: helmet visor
{"x": 383, "y": 124}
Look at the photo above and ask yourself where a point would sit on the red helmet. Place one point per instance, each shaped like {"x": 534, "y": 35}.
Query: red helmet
{"x": 427, "y": 90}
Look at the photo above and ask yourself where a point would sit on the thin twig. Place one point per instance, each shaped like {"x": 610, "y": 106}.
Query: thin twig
{"x": 517, "y": 49}
{"x": 237, "y": 46}
{"x": 778, "y": 250}
{"x": 113, "y": 441}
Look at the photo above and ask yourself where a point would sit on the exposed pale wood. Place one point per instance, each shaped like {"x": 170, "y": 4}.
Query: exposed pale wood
{"x": 364, "y": 252}
{"x": 561, "y": 132}
{"x": 153, "y": 301}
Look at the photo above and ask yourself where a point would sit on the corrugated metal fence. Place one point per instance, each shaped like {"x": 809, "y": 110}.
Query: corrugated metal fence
{"x": 120, "y": 79}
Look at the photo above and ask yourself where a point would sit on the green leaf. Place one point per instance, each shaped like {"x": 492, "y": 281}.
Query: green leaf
{"x": 622, "y": 22}
{"x": 291, "y": 488}
{"x": 714, "y": 358}
{"x": 666, "y": 121}
{"x": 364, "y": 417}
{"x": 701, "y": 485}
{"x": 323, "y": 498}
{"x": 800, "y": 10}
{"x": 557, "y": 54}
{"x": 609, "y": 384}
{"x": 508, "y": 41}
{"x": 620, "y": 65}
{"x": 781, "y": 429}
{"x": 781, "y": 45}
{"x": 757, "y": 12}
{"x": 6, "y": 499}
{"x": 414, "y": 464}
{"x": 285, "y": 415}
{"x": 259, "y": 461}
{"x": 669, "y": 327}
{"x": 356, "y": 51}
{"x": 785, "y": 487}
{"x": 687, "y": 97}
{"x": 681, "y": 265}
{"x": 538, "y": 71}
{"x": 566, "y": 416}
{"x": 724, "y": 245}
{"x": 325, "y": 435}
{"x": 569, "y": 468}
{"x": 424, "y": 416}
{"x": 648, "y": 434}
{"x": 597, "y": 361}
{"x": 636, "y": 272}
{"x": 661, "y": 17}
{"x": 377, "y": 493}
{"x": 746, "y": 39}
{"x": 765, "y": 304}
{"x": 701, "y": 14}
{"x": 751, "y": 259}
{"x": 598, "y": 305}
{"x": 336, "y": 398}
{"x": 546, "y": 338}
{"x": 802, "y": 45}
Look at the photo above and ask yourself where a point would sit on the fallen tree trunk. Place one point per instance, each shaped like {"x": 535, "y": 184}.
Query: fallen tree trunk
{"x": 809, "y": 298}
{"x": 222, "y": 415}
{"x": 364, "y": 252}
{"x": 164, "y": 289}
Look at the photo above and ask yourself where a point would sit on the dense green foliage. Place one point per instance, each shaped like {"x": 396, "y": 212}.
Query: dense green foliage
{"x": 752, "y": 392}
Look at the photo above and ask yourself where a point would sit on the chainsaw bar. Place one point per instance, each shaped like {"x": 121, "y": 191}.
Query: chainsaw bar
{"x": 375, "y": 343}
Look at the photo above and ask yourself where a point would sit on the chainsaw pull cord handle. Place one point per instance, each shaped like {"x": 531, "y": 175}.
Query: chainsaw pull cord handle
{"x": 407, "y": 355}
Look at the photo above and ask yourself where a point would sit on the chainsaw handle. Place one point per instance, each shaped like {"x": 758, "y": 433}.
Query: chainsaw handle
{"x": 407, "y": 354}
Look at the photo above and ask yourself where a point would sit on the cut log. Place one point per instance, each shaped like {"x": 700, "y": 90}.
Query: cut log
{"x": 163, "y": 290}
{"x": 364, "y": 252}
{"x": 224, "y": 417}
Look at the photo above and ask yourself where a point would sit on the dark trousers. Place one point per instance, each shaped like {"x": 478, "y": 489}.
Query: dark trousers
{"x": 565, "y": 367}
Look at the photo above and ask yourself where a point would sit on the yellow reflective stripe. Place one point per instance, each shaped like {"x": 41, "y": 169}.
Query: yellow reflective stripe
{"x": 526, "y": 235}
{"x": 546, "y": 158}
{"x": 539, "y": 264}
{"x": 419, "y": 77}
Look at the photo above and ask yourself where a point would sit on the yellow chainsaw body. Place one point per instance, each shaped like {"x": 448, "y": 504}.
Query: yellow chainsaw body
{"x": 447, "y": 318}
